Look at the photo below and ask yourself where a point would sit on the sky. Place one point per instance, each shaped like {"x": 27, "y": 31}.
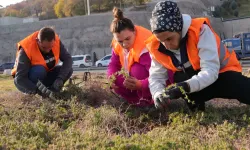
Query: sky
{"x": 5, "y": 3}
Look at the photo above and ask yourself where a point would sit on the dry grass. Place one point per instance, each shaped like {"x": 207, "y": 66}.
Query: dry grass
{"x": 90, "y": 117}
{"x": 6, "y": 84}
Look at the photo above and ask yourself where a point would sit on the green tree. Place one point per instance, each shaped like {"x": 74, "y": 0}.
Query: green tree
{"x": 233, "y": 5}
{"x": 236, "y": 13}
{"x": 217, "y": 11}
{"x": 78, "y": 7}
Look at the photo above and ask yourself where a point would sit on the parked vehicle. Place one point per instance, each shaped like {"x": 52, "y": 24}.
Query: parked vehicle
{"x": 80, "y": 61}
{"x": 240, "y": 43}
{"x": 6, "y": 66}
{"x": 103, "y": 61}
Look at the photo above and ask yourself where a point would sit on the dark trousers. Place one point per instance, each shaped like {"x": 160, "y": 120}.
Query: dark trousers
{"x": 229, "y": 85}
{"x": 39, "y": 73}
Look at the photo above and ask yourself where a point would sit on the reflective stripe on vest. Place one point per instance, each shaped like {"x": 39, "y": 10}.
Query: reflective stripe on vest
{"x": 223, "y": 62}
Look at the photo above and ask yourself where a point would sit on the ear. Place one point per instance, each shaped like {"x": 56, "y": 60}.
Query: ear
{"x": 37, "y": 40}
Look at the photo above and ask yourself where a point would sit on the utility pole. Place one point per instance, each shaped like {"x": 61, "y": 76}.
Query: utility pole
{"x": 88, "y": 5}
{"x": 85, "y": 6}
{"x": 1, "y": 7}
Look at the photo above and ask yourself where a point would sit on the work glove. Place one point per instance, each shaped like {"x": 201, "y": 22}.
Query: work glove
{"x": 175, "y": 91}
{"x": 57, "y": 85}
{"x": 43, "y": 91}
{"x": 161, "y": 101}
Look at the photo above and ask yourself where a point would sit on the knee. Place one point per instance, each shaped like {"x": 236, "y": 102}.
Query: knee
{"x": 37, "y": 73}
{"x": 17, "y": 85}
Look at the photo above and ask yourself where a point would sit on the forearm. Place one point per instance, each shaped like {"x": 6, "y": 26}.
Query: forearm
{"x": 114, "y": 65}
{"x": 158, "y": 75}
{"x": 145, "y": 88}
{"x": 66, "y": 58}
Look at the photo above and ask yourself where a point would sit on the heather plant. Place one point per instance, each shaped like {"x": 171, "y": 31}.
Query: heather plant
{"x": 92, "y": 118}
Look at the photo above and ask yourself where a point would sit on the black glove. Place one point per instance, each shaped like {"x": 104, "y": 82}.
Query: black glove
{"x": 43, "y": 91}
{"x": 161, "y": 101}
{"x": 175, "y": 91}
{"x": 57, "y": 85}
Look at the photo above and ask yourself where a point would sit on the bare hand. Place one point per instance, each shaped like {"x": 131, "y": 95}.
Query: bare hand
{"x": 113, "y": 86}
{"x": 132, "y": 83}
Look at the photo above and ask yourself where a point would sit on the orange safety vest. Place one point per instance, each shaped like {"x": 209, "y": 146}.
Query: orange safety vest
{"x": 134, "y": 53}
{"x": 228, "y": 60}
{"x": 30, "y": 46}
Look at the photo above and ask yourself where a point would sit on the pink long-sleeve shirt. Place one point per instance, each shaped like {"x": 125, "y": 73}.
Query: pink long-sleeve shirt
{"x": 138, "y": 70}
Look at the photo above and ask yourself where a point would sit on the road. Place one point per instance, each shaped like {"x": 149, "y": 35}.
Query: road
{"x": 245, "y": 66}
{"x": 90, "y": 69}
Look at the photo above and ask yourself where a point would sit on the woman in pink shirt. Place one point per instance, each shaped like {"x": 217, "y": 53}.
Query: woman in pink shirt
{"x": 129, "y": 52}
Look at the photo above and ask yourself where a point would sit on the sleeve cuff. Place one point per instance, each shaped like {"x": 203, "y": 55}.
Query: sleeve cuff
{"x": 144, "y": 84}
{"x": 156, "y": 95}
{"x": 194, "y": 86}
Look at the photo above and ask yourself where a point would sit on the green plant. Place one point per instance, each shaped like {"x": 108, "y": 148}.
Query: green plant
{"x": 112, "y": 78}
{"x": 27, "y": 122}
{"x": 182, "y": 91}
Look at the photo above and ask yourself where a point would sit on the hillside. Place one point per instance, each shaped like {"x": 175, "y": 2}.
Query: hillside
{"x": 50, "y": 9}
{"x": 86, "y": 34}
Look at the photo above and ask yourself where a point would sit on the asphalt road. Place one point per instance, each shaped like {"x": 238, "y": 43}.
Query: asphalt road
{"x": 90, "y": 69}
{"x": 245, "y": 66}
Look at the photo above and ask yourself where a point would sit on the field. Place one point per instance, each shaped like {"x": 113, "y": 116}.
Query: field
{"x": 90, "y": 117}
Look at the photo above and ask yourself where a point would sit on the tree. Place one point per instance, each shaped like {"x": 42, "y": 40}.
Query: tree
{"x": 11, "y": 12}
{"x": 79, "y": 7}
{"x": 59, "y": 8}
{"x": 236, "y": 13}
{"x": 48, "y": 10}
{"x": 217, "y": 11}
{"x": 225, "y": 4}
{"x": 37, "y": 7}
{"x": 68, "y": 7}
{"x": 233, "y": 5}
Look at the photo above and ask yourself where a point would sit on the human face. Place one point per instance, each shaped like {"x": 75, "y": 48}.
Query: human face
{"x": 46, "y": 46}
{"x": 171, "y": 40}
{"x": 125, "y": 38}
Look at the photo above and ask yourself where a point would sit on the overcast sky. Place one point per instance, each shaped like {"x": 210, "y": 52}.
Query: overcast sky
{"x": 8, "y": 2}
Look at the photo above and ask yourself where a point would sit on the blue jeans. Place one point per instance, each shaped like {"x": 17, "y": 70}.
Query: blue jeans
{"x": 39, "y": 73}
